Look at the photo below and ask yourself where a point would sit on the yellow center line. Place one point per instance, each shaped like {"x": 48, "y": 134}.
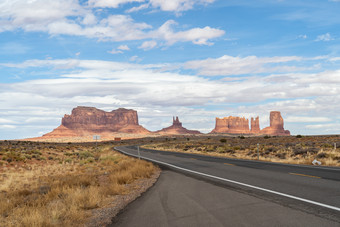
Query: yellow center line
{"x": 304, "y": 175}
{"x": 193, "y": 158}
{"x": 228, "y": 164}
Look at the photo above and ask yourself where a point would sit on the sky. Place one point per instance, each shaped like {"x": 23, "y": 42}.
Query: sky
{"x": 196, "y": 59}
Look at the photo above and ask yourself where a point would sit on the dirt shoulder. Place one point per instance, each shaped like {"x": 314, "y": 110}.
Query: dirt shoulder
{"x": 104, "y": 215}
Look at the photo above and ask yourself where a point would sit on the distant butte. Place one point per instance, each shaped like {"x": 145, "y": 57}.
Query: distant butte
{"x": 238, "y": 125}
{"x": 85, "y": 121}
{"x": 276, "y": 125}
{"x": 176, "y": 128}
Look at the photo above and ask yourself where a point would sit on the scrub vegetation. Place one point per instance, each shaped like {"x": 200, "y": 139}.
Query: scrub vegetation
{"x": 44, "y": 184}
{"x": 293, "y": 149}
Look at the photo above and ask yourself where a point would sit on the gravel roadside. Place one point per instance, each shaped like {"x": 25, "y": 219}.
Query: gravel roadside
{"x": 103, "y": 216}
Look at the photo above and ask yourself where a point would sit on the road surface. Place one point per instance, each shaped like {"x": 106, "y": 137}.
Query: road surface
{"x": 286, "y": 191}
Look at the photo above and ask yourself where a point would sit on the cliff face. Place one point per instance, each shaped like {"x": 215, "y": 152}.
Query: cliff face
{"x": 176, "y": 128}
{"x": 89, "y": 120}
{"x": 235, "y": 125}
{"x": 276, "y": 125}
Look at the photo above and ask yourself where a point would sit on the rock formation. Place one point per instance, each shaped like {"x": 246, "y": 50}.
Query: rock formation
{"x": 234, "y": 125}
{"x": 276, "y": 125}
{"x": 88, "y": 121}
{"x": 255, "y": 125}
{"x": 176, "y": 128}
{"x": 238, "y": 125}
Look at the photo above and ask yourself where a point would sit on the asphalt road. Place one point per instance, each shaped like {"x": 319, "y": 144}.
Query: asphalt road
{"x": 179, "y": 200}
{"x": 310, "y": 190}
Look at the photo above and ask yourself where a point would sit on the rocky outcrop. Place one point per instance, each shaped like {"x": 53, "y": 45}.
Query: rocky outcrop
{"x": 176, "y": 128}
{"x": 276, "y": 125}
{"x": 238, "y": 125}
{"x": 234, "y": 125}
{"x": 255, "y": 125}
{"x": 85, "y": 121}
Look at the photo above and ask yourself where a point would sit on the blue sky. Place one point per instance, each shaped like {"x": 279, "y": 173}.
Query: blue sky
{"x": 198, "y": 59}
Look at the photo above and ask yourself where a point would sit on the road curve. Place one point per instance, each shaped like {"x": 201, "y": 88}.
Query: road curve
{"x": 307, "y": 188}
{"x": 179, "y": 200}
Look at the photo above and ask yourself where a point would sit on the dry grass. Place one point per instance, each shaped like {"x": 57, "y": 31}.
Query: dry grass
{"x": 61, "y": 193}
{"x": 294, "y": 150}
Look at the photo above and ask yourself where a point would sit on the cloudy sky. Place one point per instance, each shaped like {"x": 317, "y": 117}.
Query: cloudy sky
{"x": 196, "y": 59}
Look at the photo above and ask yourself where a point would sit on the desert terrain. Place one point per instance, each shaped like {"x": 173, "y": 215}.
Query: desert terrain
{"x": 285, "y": 149}
{"x": 67, "y": 184}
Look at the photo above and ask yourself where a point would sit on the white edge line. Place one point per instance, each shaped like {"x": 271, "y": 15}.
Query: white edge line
{"x": 236, "y": 182}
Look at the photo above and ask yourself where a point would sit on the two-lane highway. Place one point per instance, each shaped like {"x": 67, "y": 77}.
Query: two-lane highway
{"x": 312, "y": 189}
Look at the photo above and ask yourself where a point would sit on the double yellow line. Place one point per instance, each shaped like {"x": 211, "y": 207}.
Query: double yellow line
{"x": 304, "y": 175}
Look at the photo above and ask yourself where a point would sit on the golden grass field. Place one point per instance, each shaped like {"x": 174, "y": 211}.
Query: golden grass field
{"x": 45, "y": 184}
{"x": 290, "y": 149}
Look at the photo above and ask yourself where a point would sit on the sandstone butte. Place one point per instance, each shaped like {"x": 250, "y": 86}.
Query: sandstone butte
{"x": 176, "y": 128}
{"x": 87, "y": 121}
{"x": 238, "y": 125}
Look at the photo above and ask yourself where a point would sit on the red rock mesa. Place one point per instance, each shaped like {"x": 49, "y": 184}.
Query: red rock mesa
{"x": 88, "y": 121}
{"x": 233, "y": 125}
{"x": 238, "y": 125}
{"x": 176, "y": 128}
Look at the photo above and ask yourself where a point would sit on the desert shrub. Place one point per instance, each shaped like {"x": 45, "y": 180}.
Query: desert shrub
{"x": 266, "y": 137}
{"x": 241, "y": 137}
{"x": 327, "y": 145}
{"x": 270, "y": 149}
{"x": 298, "y": 136}
{"x": 299, "y": 151}
{"x": 85, "y": 154}
{"x": 322, "y": 155}
{"x": 223, "y": 140}
{"x": 281, "y": 155}
{"x": 313, "y": 150}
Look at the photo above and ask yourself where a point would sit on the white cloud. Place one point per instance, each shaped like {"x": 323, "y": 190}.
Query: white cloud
{"x": 300, "y": 119}
{"x": 123, "y": 47}
{"x": 171, "y": 6}
{"x": 36, "y": 15}
{"x": 148, "y": 45}
{"x": 8, "y": 126}
{"x": 68, "y": 17}
{"x": 89, "y": 19}
{"x": 119, "y": 50}
{"x": 135, "y": 58}
{"x": 229, "y": 65}
{"x": 6, "y": 121}
{"x": 335, "y": 59}
{"x": 177, "y": 5}
{"x": 198, "y": 36}
{"x": 113, "y": 51}
{"x": 110, "y": 3}
{"x": 63, "y": 17}
{"x": 325, "y": 37}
